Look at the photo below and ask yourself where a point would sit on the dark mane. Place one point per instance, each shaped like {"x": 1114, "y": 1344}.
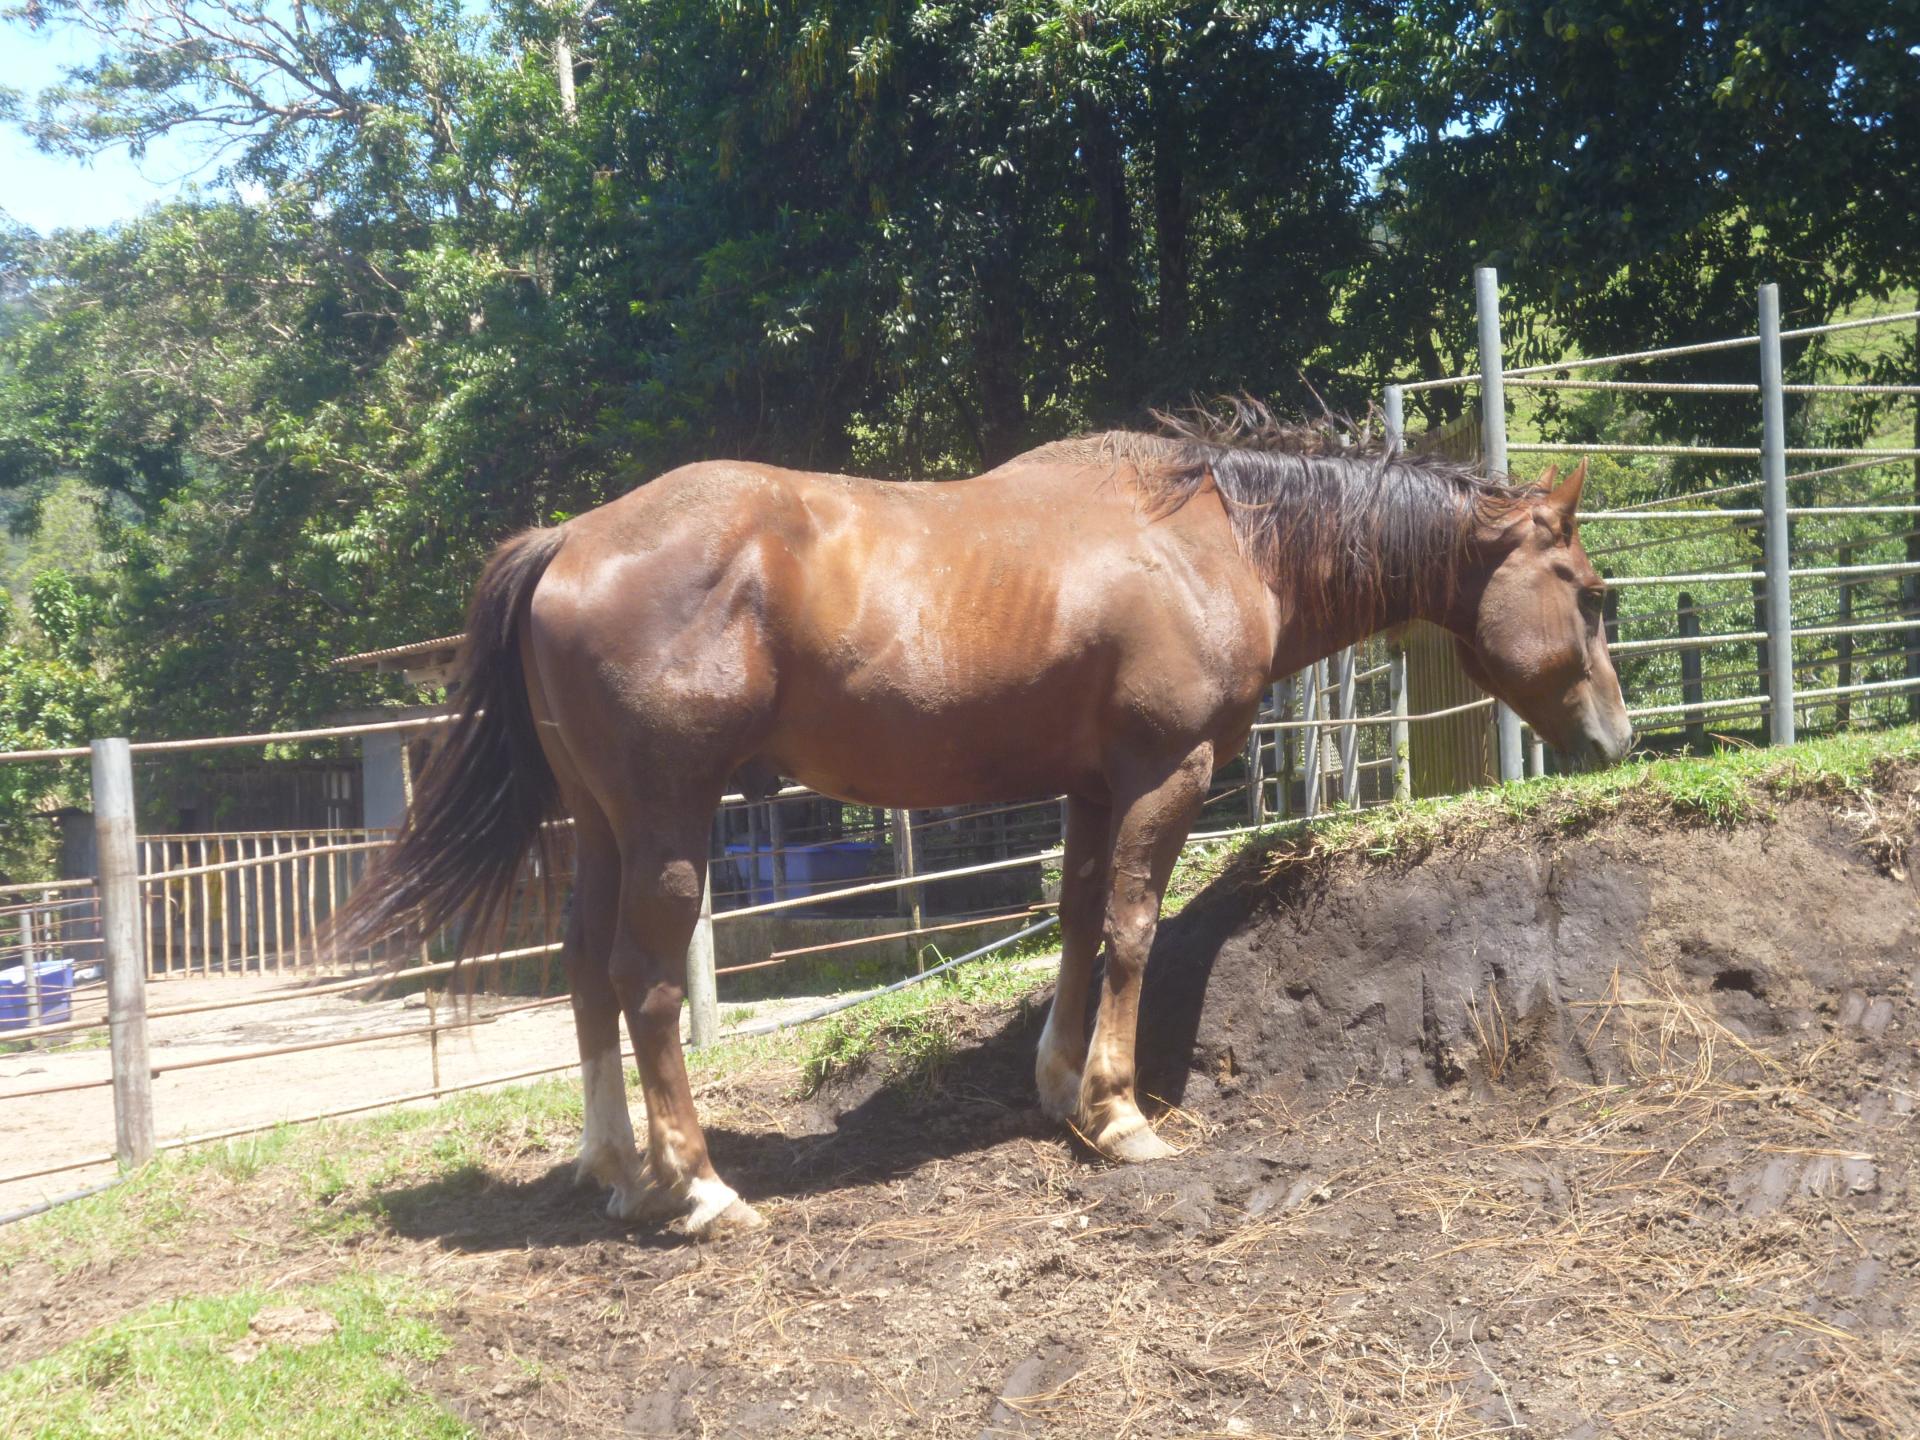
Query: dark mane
{"x": 1339, "y": 516}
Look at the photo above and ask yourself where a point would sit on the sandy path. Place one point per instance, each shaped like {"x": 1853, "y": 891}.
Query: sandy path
{"x": 50, "y": 1129}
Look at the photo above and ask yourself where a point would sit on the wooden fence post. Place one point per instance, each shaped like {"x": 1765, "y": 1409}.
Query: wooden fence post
{"x": 703, "y": 999}
{"x": 906, "y": 862}
{"x": 119, "y": 866}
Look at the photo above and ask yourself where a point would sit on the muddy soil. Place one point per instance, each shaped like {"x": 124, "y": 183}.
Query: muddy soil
{"x": 1548, "y": 1134}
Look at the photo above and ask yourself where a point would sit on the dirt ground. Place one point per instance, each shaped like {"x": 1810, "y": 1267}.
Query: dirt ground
{"x": 1602, "y": 1133}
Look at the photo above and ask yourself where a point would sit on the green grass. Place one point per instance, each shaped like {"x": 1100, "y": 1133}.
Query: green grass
{"x": 77, "y": 1040}
{"x": 168, "y": 1371}
{"x": 334, "y": 1172}
{"x": 916, "y": 1029}
{"x": 1730, "y": 787}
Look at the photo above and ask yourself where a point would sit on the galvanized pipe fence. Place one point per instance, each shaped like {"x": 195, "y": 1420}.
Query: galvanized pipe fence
{"x": 1340, "y": 733}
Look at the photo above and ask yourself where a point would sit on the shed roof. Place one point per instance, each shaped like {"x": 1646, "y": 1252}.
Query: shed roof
{"x": 422, "y": 658}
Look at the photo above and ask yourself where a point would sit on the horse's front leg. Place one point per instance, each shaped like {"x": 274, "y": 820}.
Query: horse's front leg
{"x": 1154, "y": 813}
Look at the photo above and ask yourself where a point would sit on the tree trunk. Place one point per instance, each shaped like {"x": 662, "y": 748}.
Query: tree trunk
{"x": 1003, "y": 403}
{"x": 1109, "y": 253}
{"x": 1446, "y": 403}
{"x": 1170, "y": 210}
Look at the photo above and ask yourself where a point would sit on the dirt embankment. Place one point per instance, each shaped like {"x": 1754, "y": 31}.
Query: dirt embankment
{"x": 1499, "y": 951}
{"x": 1560, "y": 1128}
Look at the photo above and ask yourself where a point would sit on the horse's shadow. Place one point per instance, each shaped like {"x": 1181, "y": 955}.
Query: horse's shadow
{"x": 983, "y": 1096}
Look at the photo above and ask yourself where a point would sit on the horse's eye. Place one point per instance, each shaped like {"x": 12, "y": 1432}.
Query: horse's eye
{"x": 1593, "y": 603}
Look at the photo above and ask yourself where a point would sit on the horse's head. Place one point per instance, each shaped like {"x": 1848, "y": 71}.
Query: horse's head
{"x": 1535, "y": 639}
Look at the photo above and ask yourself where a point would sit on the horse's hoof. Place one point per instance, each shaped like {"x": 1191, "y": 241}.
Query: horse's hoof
{"x": 1135, "y": 1146}
{"x": 644, "y": 1203}
{"x": 718, "y": 1212}
{"x": 604, "y": 1165}
{"x": 739, "y": 1218}
{"x": 1059, "y": 1089}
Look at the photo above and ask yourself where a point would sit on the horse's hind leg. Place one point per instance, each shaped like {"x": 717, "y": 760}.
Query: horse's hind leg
{"x": 607, "y": 1152}
{"x": 663, "y": 870}
{"x": 1083, "y": 908}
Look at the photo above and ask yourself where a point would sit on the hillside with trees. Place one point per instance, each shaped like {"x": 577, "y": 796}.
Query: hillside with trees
{"x": 453, "y": 270}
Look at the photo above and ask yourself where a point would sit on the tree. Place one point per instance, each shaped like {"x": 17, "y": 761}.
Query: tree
{"x": 52, "y": 695}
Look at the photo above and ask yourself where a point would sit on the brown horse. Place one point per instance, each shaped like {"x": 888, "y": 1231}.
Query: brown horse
{"x": 1097, "y": 618}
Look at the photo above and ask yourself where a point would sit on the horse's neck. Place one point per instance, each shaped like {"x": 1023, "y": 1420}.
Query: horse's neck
{"x": 1306, "y": 638}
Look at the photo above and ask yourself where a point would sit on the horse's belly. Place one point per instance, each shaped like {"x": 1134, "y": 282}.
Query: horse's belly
{"x": 888, "y": 754}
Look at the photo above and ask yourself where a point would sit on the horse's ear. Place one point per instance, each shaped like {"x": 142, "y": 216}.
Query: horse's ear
{"x": 1565, "y": 496}
{"x": 1552, "y": 474}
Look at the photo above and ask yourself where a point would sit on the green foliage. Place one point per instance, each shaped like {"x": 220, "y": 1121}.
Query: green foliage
{"x": 914, "y": 1030}
{"x": 421, "y": 303}
{"x": 1729, "y": 787}
{"x": 177, "y": 1369}
{"x": 52, "y": 695}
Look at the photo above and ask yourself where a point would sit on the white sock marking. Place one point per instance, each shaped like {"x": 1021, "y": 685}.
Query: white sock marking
{"x": 710, "y": 1201}
{"x": 606, "y": 1136}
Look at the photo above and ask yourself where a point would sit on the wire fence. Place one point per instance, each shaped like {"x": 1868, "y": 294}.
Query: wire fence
{"x": 1791, "y": 616}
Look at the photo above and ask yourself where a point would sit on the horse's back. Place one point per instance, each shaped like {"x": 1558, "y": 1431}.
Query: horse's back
{"x": 918, "y": 642}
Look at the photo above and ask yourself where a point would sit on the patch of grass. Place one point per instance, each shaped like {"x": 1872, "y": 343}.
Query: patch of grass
{"x": 168, "y": 1371}
{"x": 150, "y": 1205}
{"x": 914, "y": 1030}
{"x": 59, "y": 1044}
{"x": 1734, "y": 786}
{"x": 330, "y": 1169}
{"x": 1198, "y": 867}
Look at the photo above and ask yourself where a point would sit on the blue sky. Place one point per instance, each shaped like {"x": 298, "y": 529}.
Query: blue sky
{"x": 51, "y": 191}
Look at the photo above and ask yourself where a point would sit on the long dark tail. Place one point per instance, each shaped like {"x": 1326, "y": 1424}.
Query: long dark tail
{"x": 479, "y": 804}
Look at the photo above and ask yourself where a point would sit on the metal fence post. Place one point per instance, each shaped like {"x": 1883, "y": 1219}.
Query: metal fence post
{"x": 1691, "y": 691}
{"x": 119, "y": 867}
{"x": 703, "y": 1000}
{"x": 1348, "y": 738}
{"x": 1256, "y": 780}
{"x": 1400, "y": 734}
{"x": 777, "y": 848}
{"x": 1773, "y": 477}
{"x": 1310, "y": 707}
{"x": 1493, "y": 422}
{"x": 1283, "y": 691}
{"x": 1910, "y": 583}
{"x": 1393, "y": 412}
{"x": 1843, "y": 646}
{"x": 30, "y": 969}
